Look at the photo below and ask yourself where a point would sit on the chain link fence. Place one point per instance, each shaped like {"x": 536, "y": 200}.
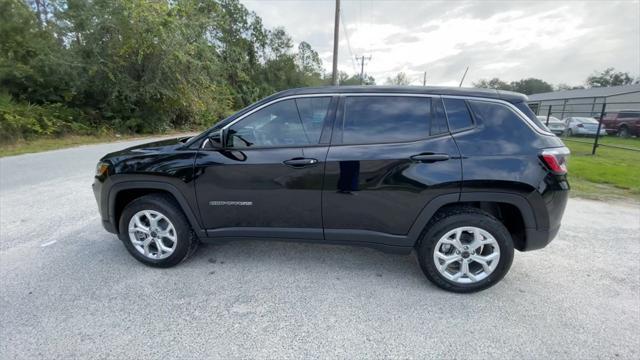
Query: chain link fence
{"x": 613, "y": 121}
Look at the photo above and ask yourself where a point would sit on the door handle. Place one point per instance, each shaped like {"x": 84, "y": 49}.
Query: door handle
{"x": 430, "y": 157}
{"x": 300, "y": 162}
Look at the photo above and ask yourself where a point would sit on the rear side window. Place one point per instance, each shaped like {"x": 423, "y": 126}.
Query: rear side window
{"x": 457, "y": 114}
{"x": 376, "y": 119}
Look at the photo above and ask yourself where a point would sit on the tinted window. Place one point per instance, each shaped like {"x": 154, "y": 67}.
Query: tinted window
{"x": 627, "y": 115}
{"x": 374, "y": 119}
{"x": 531, "y": 115}
{"x": 458, "y": 114}
{"x": 439, "y": 121}
{"x": 498, "y": 116}
{"x": 313, "y": 111}
{"x": 274, "y": 125}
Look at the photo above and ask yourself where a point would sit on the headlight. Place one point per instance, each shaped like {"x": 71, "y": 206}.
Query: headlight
{"x": 102, "y": 168}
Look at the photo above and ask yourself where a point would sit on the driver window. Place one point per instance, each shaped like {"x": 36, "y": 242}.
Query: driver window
{"x": 273, "y": 126}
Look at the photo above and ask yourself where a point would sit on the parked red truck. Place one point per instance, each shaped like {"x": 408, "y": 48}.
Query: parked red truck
{"x": 623, "y": 123}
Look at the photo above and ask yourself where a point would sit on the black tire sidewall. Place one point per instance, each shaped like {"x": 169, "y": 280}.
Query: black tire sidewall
{"x": 164, "y": 206}
{"x": 475, "y": 219}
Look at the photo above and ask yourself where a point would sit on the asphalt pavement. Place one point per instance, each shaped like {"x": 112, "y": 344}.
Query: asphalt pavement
{"x": 69, "y": 289}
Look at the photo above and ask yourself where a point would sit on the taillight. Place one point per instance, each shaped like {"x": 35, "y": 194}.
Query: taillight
{"x": 580, "y": 125}
{"x": 556, "y": 159}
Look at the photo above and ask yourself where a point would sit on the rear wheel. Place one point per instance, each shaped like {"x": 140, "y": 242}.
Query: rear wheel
{"x": 155, "y": 231}
{"x": 465, "y": 250}
{"x": 623, "y": 132}
{"x": 569, "y": 132}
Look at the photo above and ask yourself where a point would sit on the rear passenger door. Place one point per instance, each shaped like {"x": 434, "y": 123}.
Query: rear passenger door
{"x": 389, "y": 156}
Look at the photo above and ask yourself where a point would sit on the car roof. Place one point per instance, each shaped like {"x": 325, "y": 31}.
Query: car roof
{"x": 509, "y": 96}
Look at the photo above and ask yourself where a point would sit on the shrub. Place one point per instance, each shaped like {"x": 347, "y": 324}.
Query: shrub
{"x": 23, "y": 121}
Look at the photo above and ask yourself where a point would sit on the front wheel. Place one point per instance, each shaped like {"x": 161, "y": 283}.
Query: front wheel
{"x": 465, "y": 250}
{"x": 155, "y": 231}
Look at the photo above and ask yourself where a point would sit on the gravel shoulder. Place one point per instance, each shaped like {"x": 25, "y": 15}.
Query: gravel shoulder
{"x": 70, "y": 290}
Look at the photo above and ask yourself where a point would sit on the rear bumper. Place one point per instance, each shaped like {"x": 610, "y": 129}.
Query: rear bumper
{"x": 585, "y": 132}
{"x": 537, "y": 239}
{"x": 549, "y": 205}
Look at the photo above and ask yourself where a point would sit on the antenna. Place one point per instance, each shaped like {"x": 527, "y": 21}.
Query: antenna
{"x": 463, "y": 76}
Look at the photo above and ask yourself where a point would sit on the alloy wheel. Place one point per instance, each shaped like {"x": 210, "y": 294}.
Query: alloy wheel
{"x": 152, "y": 234}
{"x": 466, "y": 254}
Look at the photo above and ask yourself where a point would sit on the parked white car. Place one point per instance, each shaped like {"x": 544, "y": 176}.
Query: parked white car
{"x": 584, "y": 126}
{"x": 555, "y": 125}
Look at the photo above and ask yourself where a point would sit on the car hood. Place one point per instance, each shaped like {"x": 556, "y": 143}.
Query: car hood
{"x": 154, "y": 147}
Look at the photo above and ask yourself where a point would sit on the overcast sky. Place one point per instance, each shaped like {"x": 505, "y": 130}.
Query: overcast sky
{"x": 560, "y": 42}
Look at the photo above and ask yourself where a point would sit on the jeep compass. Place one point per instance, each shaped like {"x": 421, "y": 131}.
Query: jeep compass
{"x": 460, "y": 176}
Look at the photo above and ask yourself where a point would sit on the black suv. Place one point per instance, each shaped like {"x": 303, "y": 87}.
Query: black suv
{"x": 463, "y": 176}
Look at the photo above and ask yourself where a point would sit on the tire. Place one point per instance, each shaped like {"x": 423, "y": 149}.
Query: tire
{"x": 468, "y": 218}
{"x": 156, "y": 206}
{"x": 569, "y": 132}
{"x": 623, "y": 132}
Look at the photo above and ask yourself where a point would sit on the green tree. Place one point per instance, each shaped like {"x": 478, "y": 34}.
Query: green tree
{"x": 531, "y": 86}
{"x": 609, "y": 77}
{"x": 345, "y": 79}
{"x": 139, "y": 65}
{"x": 494, "y": 83}
{"x": 563, "y": 86}
{"x": 400, "y": 79}
{"x": 308, "y": 60}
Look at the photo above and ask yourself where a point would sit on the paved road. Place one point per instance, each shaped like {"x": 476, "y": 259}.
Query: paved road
{"x": 68, "y": 289}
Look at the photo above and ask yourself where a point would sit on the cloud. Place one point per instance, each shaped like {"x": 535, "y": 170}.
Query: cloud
{"x": 560, "y": 42}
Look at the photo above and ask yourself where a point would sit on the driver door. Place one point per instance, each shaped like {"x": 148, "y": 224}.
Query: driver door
{"x": 267, "y": 181}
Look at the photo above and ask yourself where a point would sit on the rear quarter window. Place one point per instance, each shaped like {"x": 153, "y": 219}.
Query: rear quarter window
{"x": 524, "y": 107}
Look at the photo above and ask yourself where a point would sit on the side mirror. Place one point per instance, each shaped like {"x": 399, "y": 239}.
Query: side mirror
{"x": 218, "y": 139}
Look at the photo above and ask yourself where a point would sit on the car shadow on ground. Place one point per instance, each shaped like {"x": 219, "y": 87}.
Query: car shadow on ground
{"x": 338, "y": 260}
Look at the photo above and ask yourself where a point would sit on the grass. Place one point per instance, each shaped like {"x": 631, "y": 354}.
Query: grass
{"x": 610, "y": 174}
{"x": 45, "y": 144}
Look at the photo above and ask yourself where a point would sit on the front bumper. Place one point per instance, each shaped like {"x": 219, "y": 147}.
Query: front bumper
{"x": 97, "y": 187}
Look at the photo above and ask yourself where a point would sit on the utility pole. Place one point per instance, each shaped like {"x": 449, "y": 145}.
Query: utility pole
{"x": 424, "y": 79}
{"x": 336, "y": 36}
{"x": 463, "y": 76}
{"x": 362, "y": 60}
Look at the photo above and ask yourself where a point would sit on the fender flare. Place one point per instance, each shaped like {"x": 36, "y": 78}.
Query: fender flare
{"x": 434, "y": 205}
{"x": 153, "y": 185}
